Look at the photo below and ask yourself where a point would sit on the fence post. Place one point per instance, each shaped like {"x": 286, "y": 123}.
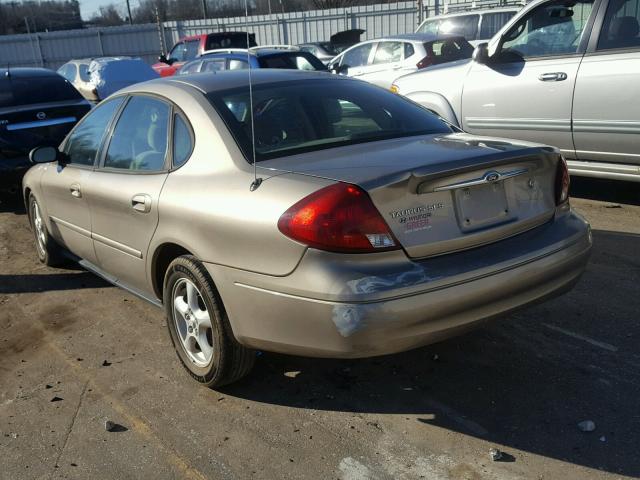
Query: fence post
{"x": 285, "y": 31}
{"x": 100, "y": 46}
{"x": 39, "y": 50}
{"x": 305, "y": 33}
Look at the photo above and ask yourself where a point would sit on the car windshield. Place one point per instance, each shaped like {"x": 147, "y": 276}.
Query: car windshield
{"x": 291, "y": 60}
{"x": 297, "y": 117}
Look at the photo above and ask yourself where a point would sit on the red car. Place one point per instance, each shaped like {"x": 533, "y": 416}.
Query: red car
{"x": 189, "y": 48}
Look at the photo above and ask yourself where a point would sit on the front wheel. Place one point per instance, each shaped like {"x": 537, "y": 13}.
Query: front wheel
{"x": 199, "y": 327}
{"x": 49, "y": 252}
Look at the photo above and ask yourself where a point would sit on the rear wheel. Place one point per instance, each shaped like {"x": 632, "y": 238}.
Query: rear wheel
{"x": 199, "y": 327}
{"x": 49, "y": 252}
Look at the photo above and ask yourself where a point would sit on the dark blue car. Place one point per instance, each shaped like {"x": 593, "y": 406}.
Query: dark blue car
{"x": 261, "y": 57}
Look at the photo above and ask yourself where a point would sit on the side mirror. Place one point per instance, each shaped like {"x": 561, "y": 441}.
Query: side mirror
{"x": 44, "y": 155}
{"x": 481, "y": 53}
{"x": 340, "y": 69}
{"x": 163, "y": 58}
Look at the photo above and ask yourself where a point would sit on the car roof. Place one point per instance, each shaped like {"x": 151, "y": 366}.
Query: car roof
{"x": 418, "y": 37}
{"x": 242, "y": 53}
{"x": 479, "y": 11}
{"x": 27, "y": 72}
{"x": 215, "y": 34}
{"x": 225, "y": 80}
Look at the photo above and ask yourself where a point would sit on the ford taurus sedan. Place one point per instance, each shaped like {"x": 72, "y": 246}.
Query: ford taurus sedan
{"x": 369, "y": 226}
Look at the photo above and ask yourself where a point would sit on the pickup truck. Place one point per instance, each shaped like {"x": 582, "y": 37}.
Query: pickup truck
{"x": 561, "y": 72}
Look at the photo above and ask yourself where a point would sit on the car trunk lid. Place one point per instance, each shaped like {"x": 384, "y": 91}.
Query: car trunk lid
{"x": 442, "y": 193}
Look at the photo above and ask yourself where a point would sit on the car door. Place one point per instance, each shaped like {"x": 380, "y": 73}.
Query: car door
{"x": 67, "y": 187}
{"x": 386, "y": 64}
{"x": 126, "y": 188}
{"x": 525, "y": 90}
{"x": 606, "y": 106}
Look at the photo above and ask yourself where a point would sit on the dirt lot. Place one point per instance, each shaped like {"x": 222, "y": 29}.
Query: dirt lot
{"x": 75, "y": 351}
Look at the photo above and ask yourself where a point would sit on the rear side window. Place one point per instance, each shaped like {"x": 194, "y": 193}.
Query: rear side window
{"x": 84, "y": 72}
{"x": 191, "y": 67}
{"x": 139, "y": 141}
{"x": 17, "y": 91}
{"x": 408, "y": 50}
{"x": 182, "y": 144}
{"x": 621, "y": 28}
{"x": 212, "y": 65}
{"x": 492, "y": 22}
{"x": 84, "y": 142}
{"x": 297, "y": 61}
{"x": 305, "y": 116}
{"x": 449, "y": 50}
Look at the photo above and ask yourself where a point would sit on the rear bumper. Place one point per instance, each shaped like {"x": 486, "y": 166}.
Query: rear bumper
{"x": 334, "y": 306}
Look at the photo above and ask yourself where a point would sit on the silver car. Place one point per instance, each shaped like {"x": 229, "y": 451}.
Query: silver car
{"x": 383, "y": 60}
{"x": 561, "y": 73}
{"x": 369, "y": 226}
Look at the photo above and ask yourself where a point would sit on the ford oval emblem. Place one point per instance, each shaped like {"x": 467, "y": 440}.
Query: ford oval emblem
{"x": 41, "y": 115}
{"x": 492, "y": 176}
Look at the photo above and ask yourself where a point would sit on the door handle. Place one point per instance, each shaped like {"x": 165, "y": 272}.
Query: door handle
{"x": 141, "y": 203}
{"x": 75, "y": 191}
{"x": 552, "y": 77}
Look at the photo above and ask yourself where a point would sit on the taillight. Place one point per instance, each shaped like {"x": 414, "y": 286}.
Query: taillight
{"x": 338, "y": 218}
{"x": 425, "y": 62}
{"x": 562, "y": 182}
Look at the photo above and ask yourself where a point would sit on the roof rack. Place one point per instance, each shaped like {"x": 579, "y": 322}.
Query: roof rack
{"x": 225, "y": 50}
{"x": 275, "y": 47}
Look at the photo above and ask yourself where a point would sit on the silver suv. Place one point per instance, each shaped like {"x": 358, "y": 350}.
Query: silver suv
{"x": 564, "y": 73}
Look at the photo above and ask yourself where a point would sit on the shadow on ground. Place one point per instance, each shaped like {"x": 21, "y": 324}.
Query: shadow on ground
{"x": 50, "y": 282}
{"x": 524, "y": 382}
{"x": 605, "y": 190}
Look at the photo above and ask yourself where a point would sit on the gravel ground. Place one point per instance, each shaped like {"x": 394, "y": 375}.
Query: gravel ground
{"x": 75, "y": 351}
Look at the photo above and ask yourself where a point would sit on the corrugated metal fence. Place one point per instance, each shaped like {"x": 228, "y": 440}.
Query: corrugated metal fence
{"x": 52, "y": 49}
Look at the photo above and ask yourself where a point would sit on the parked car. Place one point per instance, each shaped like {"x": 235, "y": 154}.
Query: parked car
{"x": 383, "y": 60}
{"x": 475, "y": 26}
{"x": 238, "y": 59}
{"x": 188, "y": 48}
{"x": 97, "y": 78}
{"x": 326, "y": 51}
{"x": 370, "y": 226}
{"x": 37, "y": 107}
{"x": 562, "y": 73}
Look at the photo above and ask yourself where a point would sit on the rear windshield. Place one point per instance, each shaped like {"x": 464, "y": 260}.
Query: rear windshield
{"x": 295, "y": 61}
{"x": 305, "y": 116}
{"x": 15, "y": 91}
{"x": 229, "y": 40}
{"x": 449, "y": 50}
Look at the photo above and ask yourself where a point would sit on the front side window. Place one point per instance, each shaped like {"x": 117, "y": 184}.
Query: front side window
{"x": 357, "y": 56}
{"x": 191, "y": 49}
{"x": 621, "y": 28}
{"x": 297, "y": 117}
{"x": 238, "y": 65}
{"x": 388, "y": 52}
{"x": 463, "y": 25}
{"x": 551, "y": 29}
{"x": 68, "y": 71}
{"x": 139, "y": 141}
{"x": 84, "y": 142}
{"x": 213, "y": 65}
{"x": 492, "y": 22}
{"x": 177, "y": 53}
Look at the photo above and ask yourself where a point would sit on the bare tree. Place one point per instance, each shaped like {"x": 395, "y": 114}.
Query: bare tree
{"x": 107, "y": 16}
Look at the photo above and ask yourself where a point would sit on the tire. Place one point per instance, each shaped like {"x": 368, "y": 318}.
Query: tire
{"x": 48, "y": 250}
{"x": 199, "y": 327}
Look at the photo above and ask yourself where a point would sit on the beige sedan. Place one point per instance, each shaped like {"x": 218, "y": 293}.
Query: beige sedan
{"x": 369, "y": 226}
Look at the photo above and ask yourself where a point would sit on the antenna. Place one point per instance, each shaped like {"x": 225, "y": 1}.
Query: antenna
{"x": 256, "y": 181}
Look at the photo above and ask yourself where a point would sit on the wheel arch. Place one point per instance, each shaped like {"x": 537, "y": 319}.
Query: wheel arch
{"x": 162, "y": 256}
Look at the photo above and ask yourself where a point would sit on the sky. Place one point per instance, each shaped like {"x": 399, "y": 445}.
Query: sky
{"x": 89, "y": 7}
